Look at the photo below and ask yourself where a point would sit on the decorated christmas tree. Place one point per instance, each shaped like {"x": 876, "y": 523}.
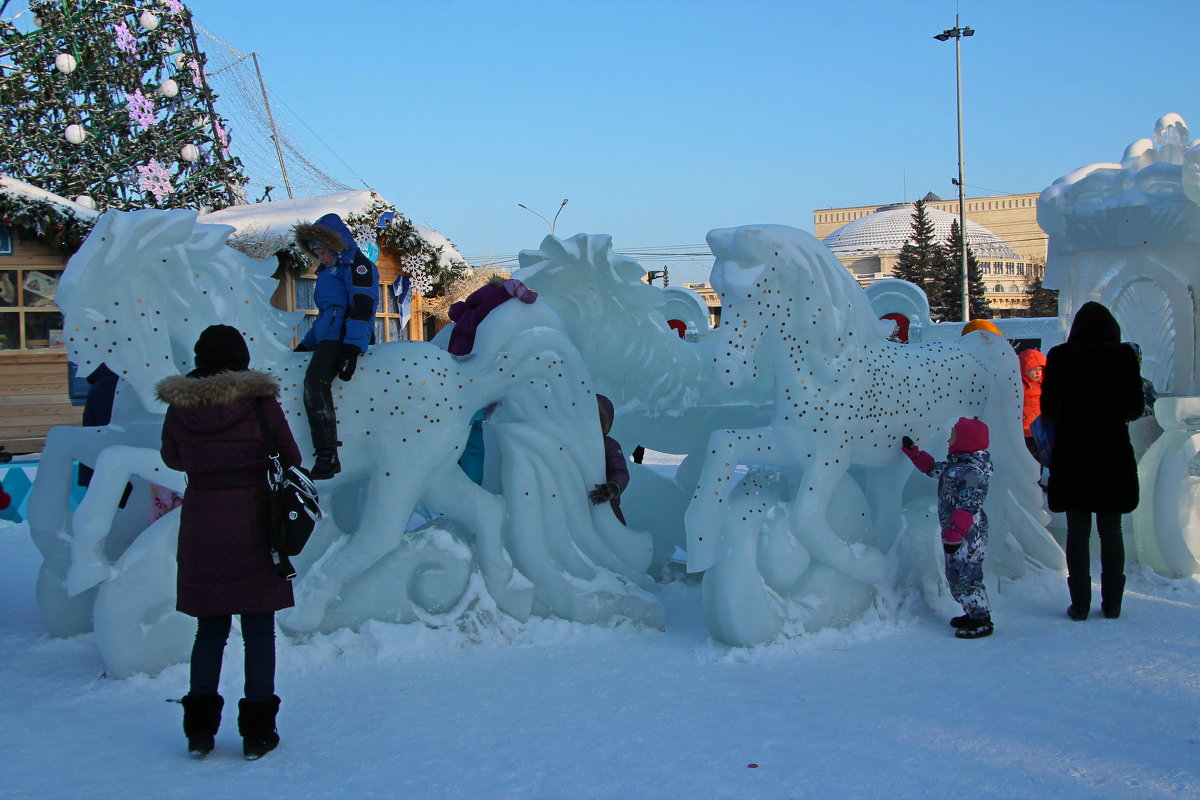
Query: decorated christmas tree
{"x": 108, "y": 103}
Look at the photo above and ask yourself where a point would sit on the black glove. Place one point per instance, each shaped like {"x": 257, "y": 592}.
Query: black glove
{"x": 301, "y": 348}
{"x": 906, "y": 442}
{"x": 349, "y": 361}
{"x": 951, "y": 549}
{"x": 604, "y": 492}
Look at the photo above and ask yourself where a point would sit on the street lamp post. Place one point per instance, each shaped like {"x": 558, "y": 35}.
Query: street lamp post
{"x": 956, "y": 33}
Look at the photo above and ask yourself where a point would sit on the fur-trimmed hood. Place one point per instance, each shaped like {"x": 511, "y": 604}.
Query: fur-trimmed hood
{"x": 330, "y": 231}
{"x": 215, "y": 403}
{"x": 222, "y": 389}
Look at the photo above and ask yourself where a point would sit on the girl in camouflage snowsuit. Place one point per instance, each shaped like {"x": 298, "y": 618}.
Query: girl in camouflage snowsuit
{"x": 962, "y": 487}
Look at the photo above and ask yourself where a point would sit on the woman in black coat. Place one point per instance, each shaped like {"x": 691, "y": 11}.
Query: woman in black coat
{"x": 1091, "y": 390}
{"x": 213, "y": 433}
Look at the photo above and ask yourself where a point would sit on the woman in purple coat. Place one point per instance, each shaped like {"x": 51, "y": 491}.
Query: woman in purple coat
{"x": 212, "y": 432}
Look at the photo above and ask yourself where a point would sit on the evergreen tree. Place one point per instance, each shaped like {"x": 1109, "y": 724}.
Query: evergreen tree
{"x": 948, "y": 283}
{"x": 1043, "y": 302}
{"x": 109, "y": 100}
{"x": 919, "y": 253}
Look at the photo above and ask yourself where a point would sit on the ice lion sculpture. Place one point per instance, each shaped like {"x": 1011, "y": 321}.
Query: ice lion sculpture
{"x": 137, "y": 295}
{"x": 802, "y": 541}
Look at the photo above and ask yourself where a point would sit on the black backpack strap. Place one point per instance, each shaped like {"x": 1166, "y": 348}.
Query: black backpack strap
{"x": 274, "y": 478}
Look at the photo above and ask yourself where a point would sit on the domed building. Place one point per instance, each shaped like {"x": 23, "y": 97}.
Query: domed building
{"x": 869, "y": 244}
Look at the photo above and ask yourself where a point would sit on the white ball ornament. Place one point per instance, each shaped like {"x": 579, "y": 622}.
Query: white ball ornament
{"x": 65, "y": 63}
{"x": 189, "y": 152}
{"x": 75, "y": 134}
{"x": 168, "y": 88}
{"x": 86, "y": 201}
{"x": 148, "y": 21}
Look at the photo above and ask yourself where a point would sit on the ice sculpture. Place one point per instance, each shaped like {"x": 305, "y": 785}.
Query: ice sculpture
{"x": 136, "y": 296}
{"x": 1127, "y": 235}
{"x": 805, "y": 547}
{"x": 667, "y": 397}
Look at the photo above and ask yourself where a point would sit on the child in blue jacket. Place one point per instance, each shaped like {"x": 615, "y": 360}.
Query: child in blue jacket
{"x": 346, "y": 295}
{"x": 962, "y": 487}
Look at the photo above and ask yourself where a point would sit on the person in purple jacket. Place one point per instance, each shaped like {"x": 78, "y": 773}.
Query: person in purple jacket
{"x": 212, "y": 432}
{"x": 616, "y": 471}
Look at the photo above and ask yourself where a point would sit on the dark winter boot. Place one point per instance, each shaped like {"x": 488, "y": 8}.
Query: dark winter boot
{"x": 975, "y": 628}
{"x": 201, "y": 718}
{"x": 961, "y": 621}
{"x": 1112, "y": 589}
{"x": 256, "y": 723}
{"x": 1080, "y": 587}
{"x": 327, "y": 464}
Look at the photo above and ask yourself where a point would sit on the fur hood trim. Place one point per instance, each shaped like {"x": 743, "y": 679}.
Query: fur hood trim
{"x": 331, "y": 231}
{"x": 222, "y": 389}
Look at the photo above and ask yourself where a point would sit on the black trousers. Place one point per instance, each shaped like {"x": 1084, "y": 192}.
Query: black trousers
{"x": 318, "y": 394}
{"x": 258, "y": 634}
{"x": 1112, "y": 546}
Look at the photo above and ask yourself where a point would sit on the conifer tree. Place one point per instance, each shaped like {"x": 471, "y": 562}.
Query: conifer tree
{"x": 919, "y": 253}
{"x": 109, "y": 101}
{"x": 948, "y": 283}
{"x": 1042, "y": 302}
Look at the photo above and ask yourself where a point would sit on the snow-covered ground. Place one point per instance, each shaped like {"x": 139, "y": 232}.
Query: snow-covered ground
{"x": 892, "y": 708}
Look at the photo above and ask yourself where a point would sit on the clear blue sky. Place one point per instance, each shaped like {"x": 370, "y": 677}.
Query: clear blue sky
{"x": 662, "y": 119}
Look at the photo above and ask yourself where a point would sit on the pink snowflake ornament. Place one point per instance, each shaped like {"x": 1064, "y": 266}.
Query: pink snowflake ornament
{"x": 125, "y": 38}
{"x": 141, "y": 109}
{"x": 155, "y": 179}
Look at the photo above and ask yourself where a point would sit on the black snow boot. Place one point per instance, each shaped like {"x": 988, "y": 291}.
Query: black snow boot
{"x": 975, "y": 628}
{"x": 201, "y": 718}
{"x": 256, "y": 723}
{"x": 327, "y": 464}
{"x": 1112, "y": 589}
{"x": 961, "y": 621}
{"x": 1080, "y": 587}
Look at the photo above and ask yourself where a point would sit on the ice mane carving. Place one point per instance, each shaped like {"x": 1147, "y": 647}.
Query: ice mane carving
{"x": 667, "y": 398}
{"x": 843, "y": 399}
{"x": 146, "y": 283}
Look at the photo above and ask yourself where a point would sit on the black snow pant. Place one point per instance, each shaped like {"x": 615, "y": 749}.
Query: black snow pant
{"x": 258, "y": 635}
{"x": 318, "y": 394}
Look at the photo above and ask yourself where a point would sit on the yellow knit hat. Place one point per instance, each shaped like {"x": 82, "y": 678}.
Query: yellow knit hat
{"x": 981, "y": 325}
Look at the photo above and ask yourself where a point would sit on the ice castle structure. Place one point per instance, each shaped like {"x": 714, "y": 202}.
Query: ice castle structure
{"x": 1127, "y": 235}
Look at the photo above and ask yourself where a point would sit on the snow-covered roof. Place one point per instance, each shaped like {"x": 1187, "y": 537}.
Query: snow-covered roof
{"x": 263, "y": 229}
{"x": 20, "y": 189}
{"x": 889, "y": 228}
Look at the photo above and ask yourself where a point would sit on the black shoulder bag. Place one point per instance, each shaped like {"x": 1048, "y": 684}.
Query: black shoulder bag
{"x": 294, "y": 504}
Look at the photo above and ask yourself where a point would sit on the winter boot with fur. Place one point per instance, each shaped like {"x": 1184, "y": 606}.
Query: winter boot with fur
{"x": 1112, "y": 589}
{"x": 256, "y": 723}
{"x": 201, "y": 718}
{"x": 327, "y": 464}
{"x": 1080, "y": 587}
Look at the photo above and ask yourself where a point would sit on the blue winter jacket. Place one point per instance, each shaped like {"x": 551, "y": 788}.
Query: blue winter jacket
{"x": 346, "y": 294}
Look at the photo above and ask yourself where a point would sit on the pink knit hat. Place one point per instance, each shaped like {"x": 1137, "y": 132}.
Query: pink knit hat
{"x": 972, "y": 435}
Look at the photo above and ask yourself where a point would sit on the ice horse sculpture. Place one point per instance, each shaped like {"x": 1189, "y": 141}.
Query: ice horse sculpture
{"x": 137, "y": 295}
{"x": 1127, "y": 235}
{"x": 803, "y": 540}
{"x": 666, "y": 395}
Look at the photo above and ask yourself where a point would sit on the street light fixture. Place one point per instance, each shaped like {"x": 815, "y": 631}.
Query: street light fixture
{"x": 957, "y": 33}
{"x": 551, "y": 223}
